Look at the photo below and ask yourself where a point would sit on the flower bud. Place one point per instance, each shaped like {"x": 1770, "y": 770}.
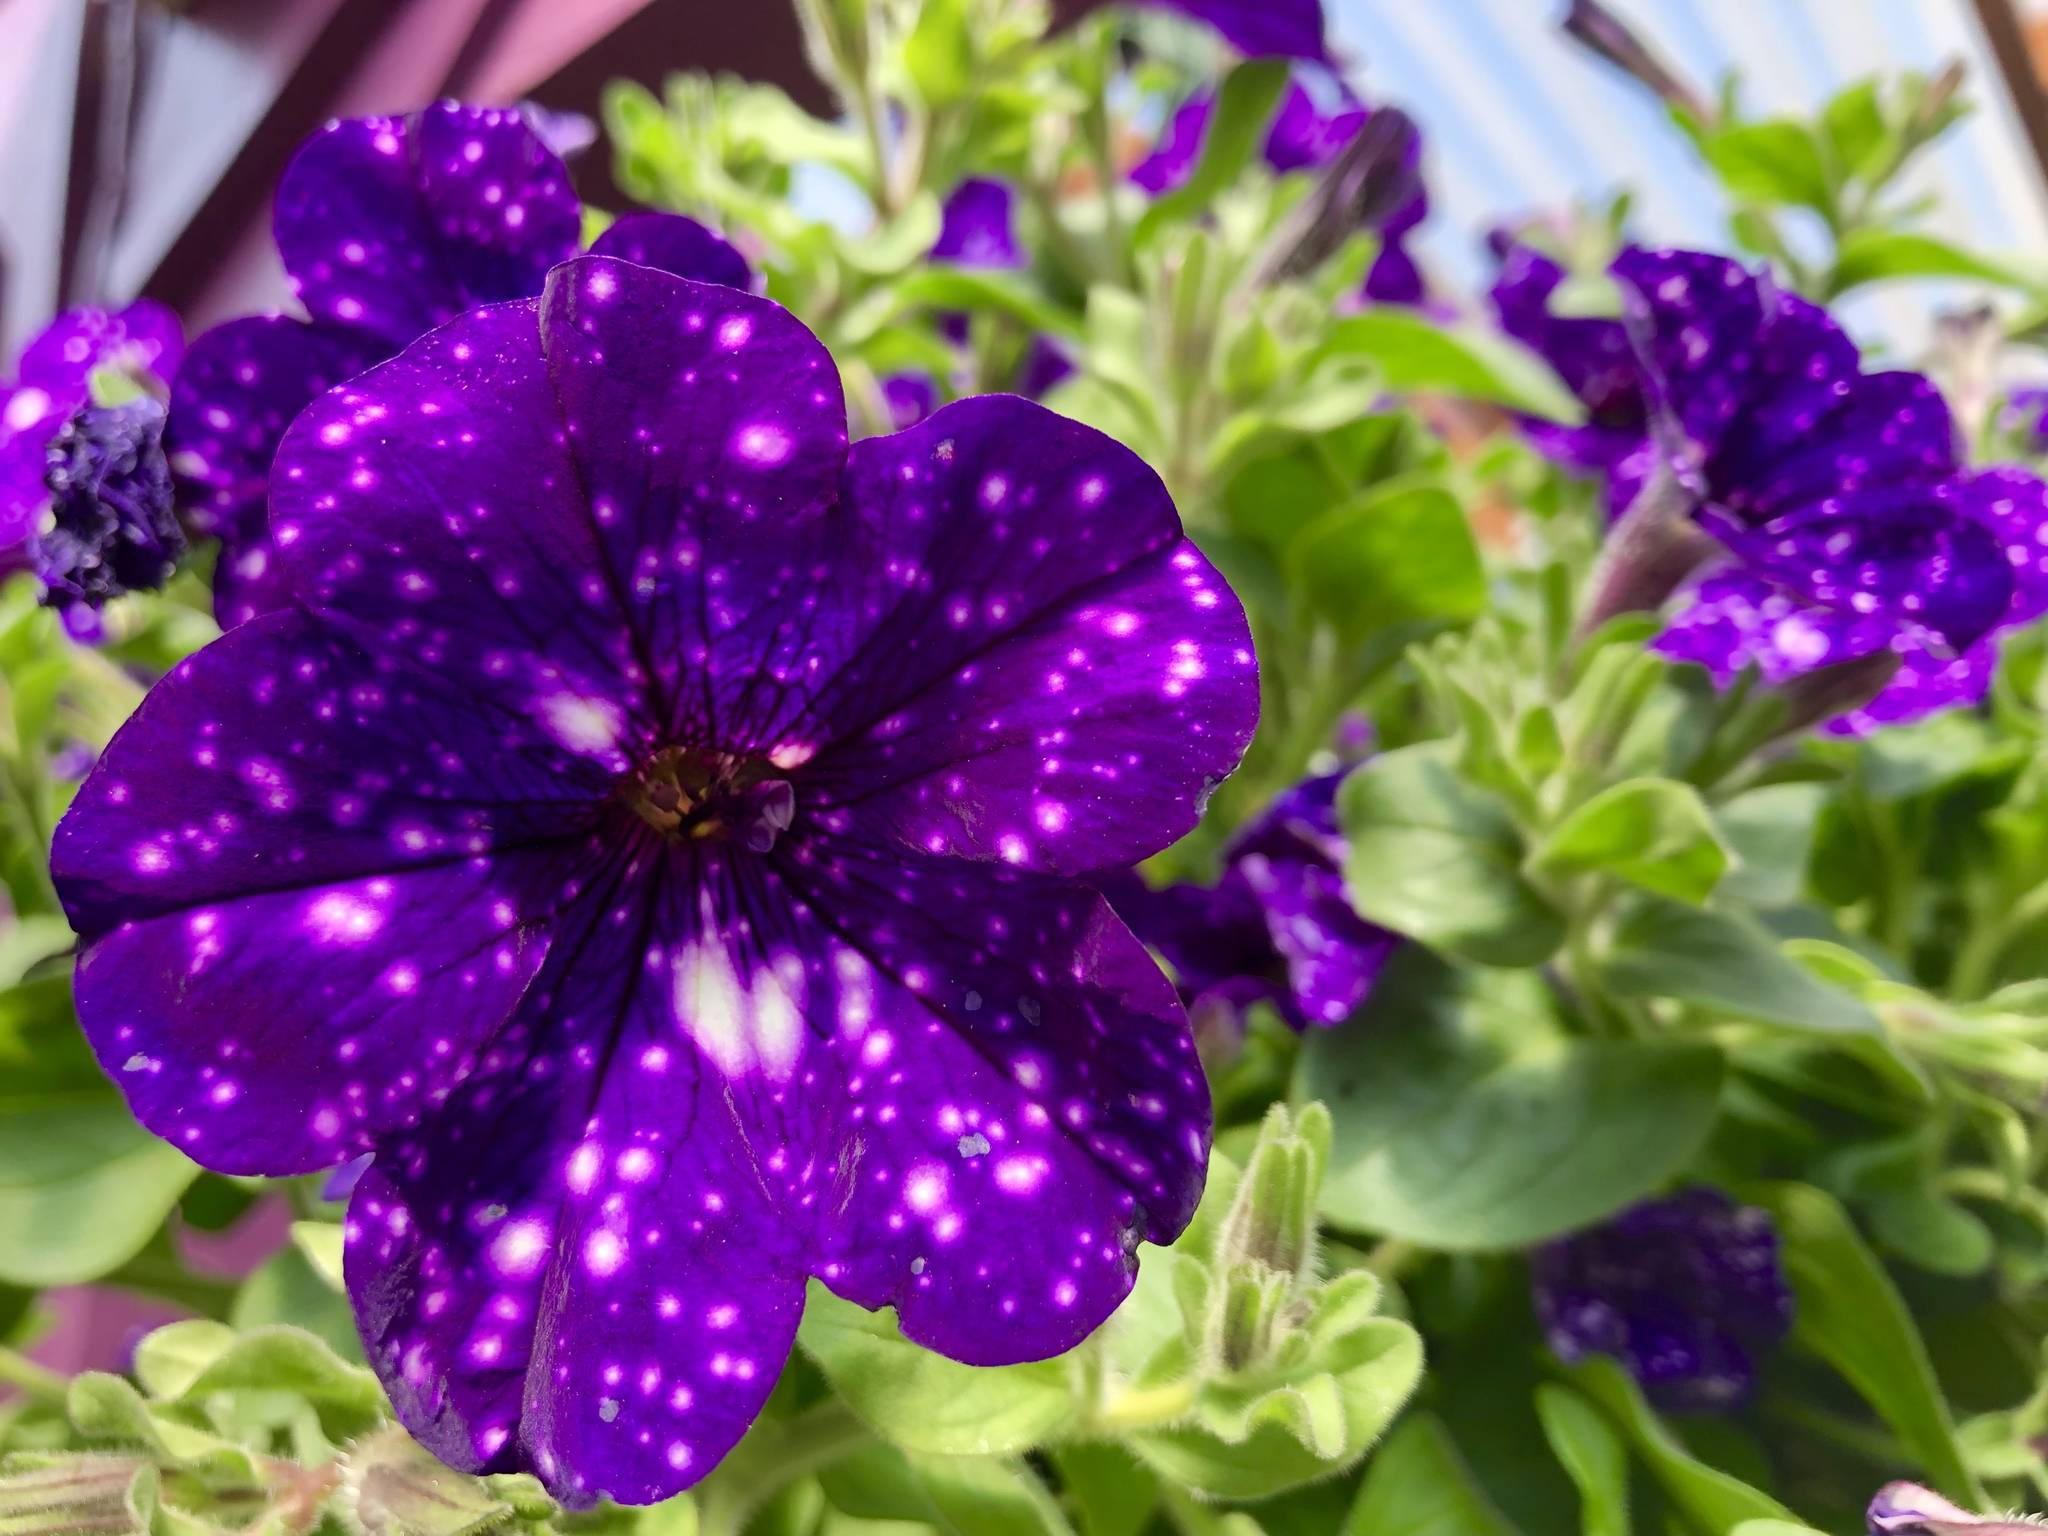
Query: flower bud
{"x": 1906, "y": 1509}
{"x": 1600, "y": 30}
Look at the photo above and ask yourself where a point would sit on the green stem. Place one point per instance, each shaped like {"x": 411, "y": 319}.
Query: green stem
{"x": 1977, "y": 961}
{"x": 769, "y": 1460}
{"x": 36, "y": 1382}
{"x": 1146, "y": 1407}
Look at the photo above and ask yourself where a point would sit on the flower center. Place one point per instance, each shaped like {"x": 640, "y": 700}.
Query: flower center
{"x": 688, "y": 794}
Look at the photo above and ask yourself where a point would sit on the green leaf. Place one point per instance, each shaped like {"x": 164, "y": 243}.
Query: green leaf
{"x": 1873, "y": 255}
{"x": 1438, "y": 859}
{"x": 1112, "y": 1493}
{"x": 104, "y": 1407}
{"x": 1418, "y": 1485}
{"x": 286, "y": 1288}
{"x": 1416, "y": 355}
{"x": 903, "y": 240}
{"x": 281, "y": 1358}
{"x": 923, "y": 1401}
{"x": 82, "y": 1189}
{"x": 1774, "y": 162}
{"x": 1237, "y": 127}
{"x": 1717, "y": 960}
{"x": 955, "y": 1495}
{"x": 1398, "y": 553}
{"x": 169, "y": 1359}
{"x": 1653, "y": 833}
{"x": 1712, "y": 1498}
{"x": 320, "y": 1242}
{"x": 1850, "y": 1315}
{"x": 938, "y": 55}
{"x": 1465, "y": 1121}
{"x": 1858, "y": 137}
{"x": 1590, "y": 1451}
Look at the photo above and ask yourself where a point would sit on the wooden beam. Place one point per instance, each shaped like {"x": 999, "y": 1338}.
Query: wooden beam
{"x": 2008, "y": 40}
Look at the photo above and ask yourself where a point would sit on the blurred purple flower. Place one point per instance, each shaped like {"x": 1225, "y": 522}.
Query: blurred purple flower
{"x": 1685, "y": 1292}
{"x": 1288, "y": 28}
{"x": 911, "y": 397}
{"x": 646, "y": 812}
{"x": 978, "y": 226}
{"x": 387, "y": 227}
{"x": 54, "y": 382}
{"x": 1277, "y": 928}
{"x": 1305, "y": 135}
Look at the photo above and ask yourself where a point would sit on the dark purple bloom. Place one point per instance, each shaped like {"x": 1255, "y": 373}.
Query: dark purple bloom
{"x": 911, "y": 397}
{"x": 1906, "y": 1509}
{"x": 110, "y": 527}
{"x": 1305, "y": 135}
{"x": 387, "y": 227}
{"x": 1589, "y": 353}
{"x": 978, "y": 227}
{"x": 654, "y": 830}
{"x": 143, "y": 341}
{"x": 1278, "y": 927}
{"x": 1685, "y": 1292}
{"x": 2026, "y": 411}
{"x": 1289, "y": 28}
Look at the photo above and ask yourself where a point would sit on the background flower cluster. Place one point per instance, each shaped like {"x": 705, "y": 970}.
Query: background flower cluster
{"x": 688, "y": 892}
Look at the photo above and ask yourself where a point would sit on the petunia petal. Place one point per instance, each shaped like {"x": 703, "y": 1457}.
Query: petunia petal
{"x": 1049, "y": 672}
{"x": 1007, "y": 1130}
{"x": 413, "y": 506}
{"x": 144, "y": 338}
{"x": 1902, "y": 551}
{"x": 238, "y": 390}
{"x": 1799, "y": 447}
{"x": 1293, "y": 28}
{"x": 1695, "y": 320}
{"x": 393, "y": 225}
{"x": 675, "y": 244}
{"x": 277, "y": 759}
{"x": 2013, "y": 503}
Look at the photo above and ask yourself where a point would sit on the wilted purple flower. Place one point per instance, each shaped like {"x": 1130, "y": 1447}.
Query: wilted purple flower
{"x": 54, "y": 382}
{"x": 1287, "y": 28}
{"x": 1278, "y": 927}
{"x": 110, "y": 527}
{"x": 1906, "y": 1509}
{"x": 387, "y": 227}
{"x": 1685, "y": 1292}
{"x": 1306, "y": 136}
{"x": 653, "y": 830}
{"x": 978, "y": 226}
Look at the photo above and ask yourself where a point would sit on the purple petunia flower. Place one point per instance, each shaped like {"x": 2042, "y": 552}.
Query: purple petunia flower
{"x": 1306, "y": 136}
{"x": 1592, "y": 356}
{"x": 54, "y": 382}
{"x": 1278, "y": 927}
{"x": 1286, "y": 28}
{"x": 1839, "y": 496}
{"x": 978, "y": 226}
{"x": 1684, "y": 1291}
{"x": 387, "y": 227}
{"x": 1906, "y": 1509}
{"x": 653, "y": 830}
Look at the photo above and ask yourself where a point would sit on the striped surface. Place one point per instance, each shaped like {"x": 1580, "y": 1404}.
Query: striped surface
{"x": 1520, "y": 118}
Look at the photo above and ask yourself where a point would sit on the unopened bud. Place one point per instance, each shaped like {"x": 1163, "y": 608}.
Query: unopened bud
{"x": 1600, "y": 30}
{"x": 1906, "y": 1509}
{"x": 1272, "y": 1220}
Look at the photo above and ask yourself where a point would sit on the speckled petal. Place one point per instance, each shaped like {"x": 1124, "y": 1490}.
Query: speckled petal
{"x": 393, "y": 225}
{"x": 1050, "y": 674}
{"x": 432, "y": 504}
{"x": 277, "y": 760}
{"x": 1591, "y": 354}
{"x": 2013, "y": 503}
{"x": 580, "y": 1266}
{"x": 144, "y": 338}
{"x": 1905, "y": 552}
{"x": 236, "y": 393}
{"x": 1800, "y": 446}
{"x": 1333, "y": 955}
{"x": 1695, "y": 320}
{"x": 675, "y": 244}
{"x": 1022, "y": 1101}
{"x": 709, "y": 433}
{"x": 1293, "y": 28}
